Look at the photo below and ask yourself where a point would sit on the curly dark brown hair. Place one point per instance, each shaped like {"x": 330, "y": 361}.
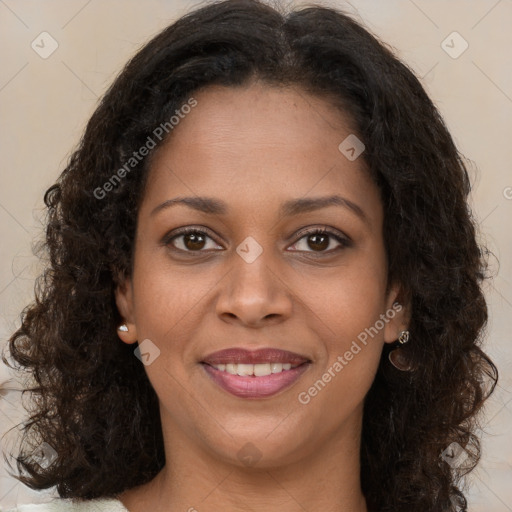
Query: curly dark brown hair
{"x": 91, "y": 398}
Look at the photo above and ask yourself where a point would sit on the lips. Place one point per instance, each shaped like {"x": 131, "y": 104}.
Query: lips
{"x": 260, "y": 356}
{"x": 255, "y": 373}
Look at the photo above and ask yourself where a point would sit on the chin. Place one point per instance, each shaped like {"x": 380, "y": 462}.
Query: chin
{"x": 259, "y": 450}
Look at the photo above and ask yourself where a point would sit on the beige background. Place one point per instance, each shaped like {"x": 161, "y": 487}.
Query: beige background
{"x": 45, "y": 103}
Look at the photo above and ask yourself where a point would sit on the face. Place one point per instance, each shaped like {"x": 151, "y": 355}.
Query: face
{"x": 265, "y": 261}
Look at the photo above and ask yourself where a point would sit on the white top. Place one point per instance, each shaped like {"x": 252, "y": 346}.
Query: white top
{"x": 66, "y": 505}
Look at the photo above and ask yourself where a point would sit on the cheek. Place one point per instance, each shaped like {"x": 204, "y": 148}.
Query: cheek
{"x": 350, "y": 351}
{"x": 350, "y": 298}
{"x": 348, "y": 308}
{"x": 165, "y": 298}
{"x": 164, "y": 287}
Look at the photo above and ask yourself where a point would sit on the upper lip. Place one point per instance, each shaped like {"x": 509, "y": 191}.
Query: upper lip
{"x": 259, "y": 356}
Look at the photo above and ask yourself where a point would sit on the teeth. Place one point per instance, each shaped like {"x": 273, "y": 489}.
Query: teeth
{"x": 245, "y": 369}
{"x": 276, "y": 367}
{"x": 258, "y": 370}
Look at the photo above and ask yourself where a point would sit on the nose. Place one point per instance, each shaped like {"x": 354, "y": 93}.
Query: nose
{"x": 254, "y": 294}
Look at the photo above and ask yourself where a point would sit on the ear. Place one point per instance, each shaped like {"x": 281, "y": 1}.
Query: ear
{"x": 398, "y": 313}
{"x": 124, "y": 302}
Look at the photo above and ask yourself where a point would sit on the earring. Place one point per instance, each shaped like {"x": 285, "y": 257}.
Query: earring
{"x": 123, "y": 328}
{"x": 396, "y": 356}
{"x": 403, "y": 337}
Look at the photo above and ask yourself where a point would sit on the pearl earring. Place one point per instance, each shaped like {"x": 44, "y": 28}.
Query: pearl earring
{"x": 123, "y": 328}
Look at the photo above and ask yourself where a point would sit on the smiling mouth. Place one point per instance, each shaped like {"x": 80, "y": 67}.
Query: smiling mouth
{"x": 254, "y": 374}
{"x": 255, "y": 370}
{"x": 255, "y": 380}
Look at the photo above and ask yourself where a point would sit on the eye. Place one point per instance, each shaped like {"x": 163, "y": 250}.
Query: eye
{"x": 199, "y": 240}
{"x": 319, "y": 240}
{"x": 191, "y": 240}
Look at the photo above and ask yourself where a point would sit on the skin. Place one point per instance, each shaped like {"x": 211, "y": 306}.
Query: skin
{"x": 254, "y": 148}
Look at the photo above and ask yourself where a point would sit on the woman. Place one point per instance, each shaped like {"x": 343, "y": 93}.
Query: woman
{"x": 264, "y": 288}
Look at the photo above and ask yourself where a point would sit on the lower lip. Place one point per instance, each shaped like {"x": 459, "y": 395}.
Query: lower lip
{"x": 255, "y": 387}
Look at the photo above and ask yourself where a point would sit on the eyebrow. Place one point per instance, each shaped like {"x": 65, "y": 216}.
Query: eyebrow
{"x": 291, "y": 207}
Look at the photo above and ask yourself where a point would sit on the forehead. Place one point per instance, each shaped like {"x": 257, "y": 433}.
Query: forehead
{"x": 260, "y": 114}
{"x": 258, "y": 142}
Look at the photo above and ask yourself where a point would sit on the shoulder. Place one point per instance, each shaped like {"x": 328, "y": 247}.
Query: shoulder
{"x": 64, "y": 505}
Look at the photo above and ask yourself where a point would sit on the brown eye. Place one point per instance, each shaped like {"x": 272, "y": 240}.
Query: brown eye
{"x": 319, "y": 241}
{"x": 191, "y": 240}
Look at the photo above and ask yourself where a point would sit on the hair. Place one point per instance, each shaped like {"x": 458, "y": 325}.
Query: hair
{"x": 91, "y": 399}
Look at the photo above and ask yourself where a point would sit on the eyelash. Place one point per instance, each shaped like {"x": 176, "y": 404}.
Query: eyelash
{"x": 344, "y": 242}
